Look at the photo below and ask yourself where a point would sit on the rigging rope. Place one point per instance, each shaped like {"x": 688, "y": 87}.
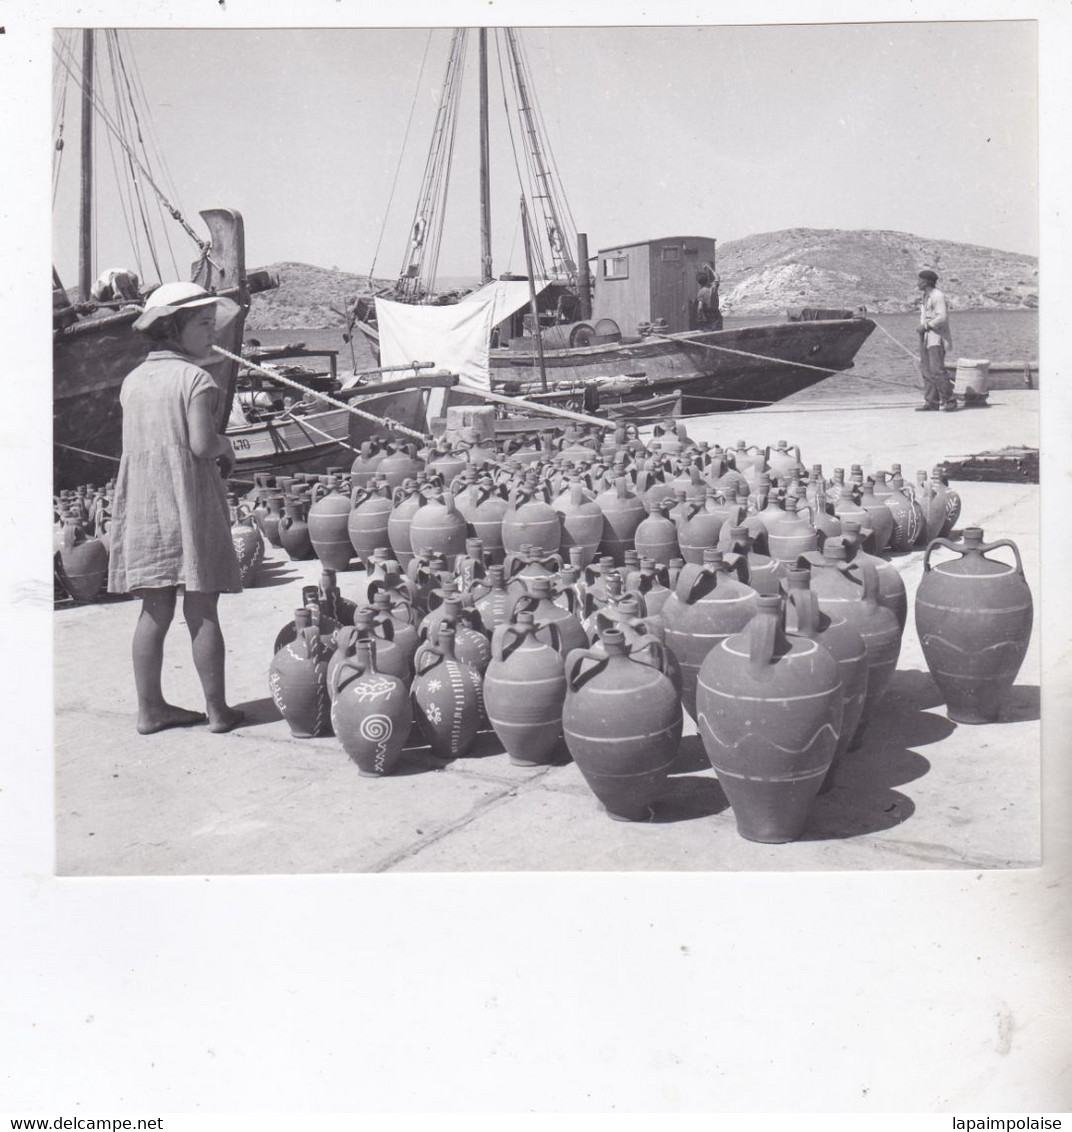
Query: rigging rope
{"x": 106, "y": 118}
{"x": 401, "y": 154}
{"x": 320, "y": 396}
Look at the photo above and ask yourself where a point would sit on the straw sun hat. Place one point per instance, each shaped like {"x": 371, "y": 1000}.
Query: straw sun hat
{"x": 170, "y": 298}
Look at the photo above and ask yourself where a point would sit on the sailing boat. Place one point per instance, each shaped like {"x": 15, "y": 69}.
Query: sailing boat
{"x": 94, "y": 347}
{"x": 628, "y": 336}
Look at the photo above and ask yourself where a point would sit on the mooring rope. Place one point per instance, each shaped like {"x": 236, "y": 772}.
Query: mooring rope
{"x": 320, "y": 396}
{"x": 85, "y": 452}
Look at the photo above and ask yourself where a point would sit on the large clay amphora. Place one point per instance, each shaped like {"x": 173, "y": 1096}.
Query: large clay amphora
{"x": 438, "y": 525}
{"x": 973, "y": 616}
{"x": 297, "y": 678}
{"x": 81, "y": 563}
{"x": 328, "y": 518}
{"x": 494, "y": 597}
{"x": 804, "y": 618}
{"x": 791, "y": 536}
{"x": 544, "y": 605}
{"x": 708, "y": 604}
{"x": 363, "y": 469}
{"x": 623, "y": 512}
{"x": 524, "y": 689}
{"x": 697, "y": 530}
{"x": 370, "y": 712}
{"x": 891, "y": 587}
{"x": 273, "y": 513}
{"x": 770, "y": 715}
{"x": 530, "y": 522}
{"x": 407, "y": 499}
{"x": 582, "y": 521}
{"x": 656, "y": 536}
{"x": 484, "y": 509}
{"x": 622, "y": 722}
{"x": 400, "y": 464}
{"x": 367, "y": 522}
{"x": 447, "y": 699}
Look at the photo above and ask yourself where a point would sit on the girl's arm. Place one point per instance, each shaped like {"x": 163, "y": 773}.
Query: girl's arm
{"x": 205, "y": 441}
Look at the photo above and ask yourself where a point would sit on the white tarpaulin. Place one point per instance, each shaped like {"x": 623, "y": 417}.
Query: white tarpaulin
{"x": 455, "y": 337}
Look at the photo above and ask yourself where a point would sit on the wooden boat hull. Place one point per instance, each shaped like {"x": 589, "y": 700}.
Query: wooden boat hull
{"x": 91, "y": 358}
{"x": 716, "y": 370}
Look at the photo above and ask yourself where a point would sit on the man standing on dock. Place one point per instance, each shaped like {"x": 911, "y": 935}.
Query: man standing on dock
{"x": 934, "y": 340}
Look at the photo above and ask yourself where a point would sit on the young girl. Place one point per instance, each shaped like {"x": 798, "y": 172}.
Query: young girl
{"x": 171, "y": 524}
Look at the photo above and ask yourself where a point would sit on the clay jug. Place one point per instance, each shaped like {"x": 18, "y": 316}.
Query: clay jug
{"x": 439, "y": 526}
{"x": 708, "y": 604}
{"x": 271, "y": 518}
{"x": 941, "y": 506}
{"x": 879, "y": 517}
{"x": 370, "y": 712}
{"x": 764, "y": 574}
{"x": 530, "y": 522}
{"x": 891, "y": 587}
{"x": 907, "y": 518}
{"x": 81, "y": 563}
{"x": 804, "y": 618}
{"x": 329, "y": 596}
{"x": 447, "y": 464}
{"x": 544, "y": 605}
{"x": 784, "y": 461}
{"x": 447, "y": 699}
{"x": 852, "y": 592}
{"x": 324, "y": 624}
{"x": 425, "y": 574}
{"x": 627, "y": 617}
{"x": 623, "y": 512}
{"x": 297, "y": 679}
{"x": 363, "y": 469}
{"x": 622, "y": 723}
{"x": 471, "y": 646}
{"x": 494, "y": 597}
{"x": 294, "y": 532}
{"x": 399, "y": 464}
{"x": 368, "y": 519}
{"x": 248, "y": 543}
{"x": 974, "y": 617}
{"x": 656, "y": 535}
{"x": 651, "y": 584}
{"x": 791, "y": 537}
{"x": 582, "y": 521}
{"x": 524, "y": 689}
{"x": 484, "y": 509}
{"x": 381, "y": 572}
{"x": 406, "y": 499}
{"x": 389, "y": 657}
{"x": 394, "y": 619}
{"x": 697, "y": 530}
{"x": 328, "y": 517}
{"x": 472, "y": 566}
{"x": 770, "y": 714}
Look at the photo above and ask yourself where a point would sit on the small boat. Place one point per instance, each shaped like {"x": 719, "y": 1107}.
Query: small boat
{"x": 636, "y": 330}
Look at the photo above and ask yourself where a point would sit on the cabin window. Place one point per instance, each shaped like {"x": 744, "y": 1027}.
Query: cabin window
{"x": 616, "y": 267}
{"x": 672, "y": 253}
{"x": 691, "y": 251}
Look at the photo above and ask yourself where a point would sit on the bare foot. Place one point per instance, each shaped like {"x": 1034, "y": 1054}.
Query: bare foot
{"x": 168, "y": 716}
{"x": 227, "y": 720}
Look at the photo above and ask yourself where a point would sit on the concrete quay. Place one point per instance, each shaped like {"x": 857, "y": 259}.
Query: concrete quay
{"x": 921, "y": 793}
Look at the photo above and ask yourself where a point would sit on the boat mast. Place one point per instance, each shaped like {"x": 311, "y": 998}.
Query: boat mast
{"x": 533, "y": 308}
{"x": 485, "y": 176}
{"x": 552, "y": 221}
{"x": 85, "y": 223}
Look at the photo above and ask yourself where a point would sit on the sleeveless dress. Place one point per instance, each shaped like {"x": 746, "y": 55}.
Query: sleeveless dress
{"x": 171, "y": 524}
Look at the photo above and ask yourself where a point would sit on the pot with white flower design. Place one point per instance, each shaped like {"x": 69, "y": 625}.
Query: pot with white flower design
{"x": 447, "y": 697}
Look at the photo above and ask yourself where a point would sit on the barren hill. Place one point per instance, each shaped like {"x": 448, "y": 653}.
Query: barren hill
{"x": 767, "y": 273}
{"x": 762, "y": 274}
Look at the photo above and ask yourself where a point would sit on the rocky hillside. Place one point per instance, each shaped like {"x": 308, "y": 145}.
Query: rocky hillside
{"x": 764, "y": 274}
{"x": 767, "y": 273}
{"x": 305, "y": 298}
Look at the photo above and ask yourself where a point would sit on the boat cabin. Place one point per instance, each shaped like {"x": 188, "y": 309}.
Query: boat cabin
{"x": 651, "y": 281}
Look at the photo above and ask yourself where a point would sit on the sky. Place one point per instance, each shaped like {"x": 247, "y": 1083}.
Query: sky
{"x": 929, "y": 128}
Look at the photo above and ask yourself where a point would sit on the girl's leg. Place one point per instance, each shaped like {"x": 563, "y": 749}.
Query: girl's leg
{"x": 154, "y": 712}
{"x": 206, "y": 639}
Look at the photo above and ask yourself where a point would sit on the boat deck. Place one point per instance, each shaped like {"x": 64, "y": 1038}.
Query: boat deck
{"x": 923, "y": 793}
